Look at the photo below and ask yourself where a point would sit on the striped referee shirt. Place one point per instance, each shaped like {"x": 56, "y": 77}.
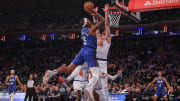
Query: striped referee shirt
{"x": 30, "y": 83}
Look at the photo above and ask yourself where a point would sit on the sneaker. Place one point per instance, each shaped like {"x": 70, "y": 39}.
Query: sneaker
{"x": 63, "y": 82}
{"x": 47, "y": 76}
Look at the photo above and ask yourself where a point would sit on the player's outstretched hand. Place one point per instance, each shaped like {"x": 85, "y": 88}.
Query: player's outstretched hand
{"x": 93, "y": 14}
{"x": 106, "y": 7}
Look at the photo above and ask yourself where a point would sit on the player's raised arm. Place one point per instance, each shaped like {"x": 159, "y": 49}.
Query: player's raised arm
{"x": 95, "y": 21}
{"x": 6, "y": 82}
{"x": 115, "y": 76}
{"x": 152, "y": 82}
{"x": 19, "y": 82}
{"x": 107, "y": 28}
{"x": 93, "y": 29}
{"x": 167, "y": 83}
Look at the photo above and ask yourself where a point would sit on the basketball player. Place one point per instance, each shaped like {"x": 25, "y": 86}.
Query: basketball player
{"x": 11, "y": 82}
{"x": 103, "y": 45}
{"x": 86, "y": 54}
{"x": 160, "y": 86}
{"x": 80, "y": 81}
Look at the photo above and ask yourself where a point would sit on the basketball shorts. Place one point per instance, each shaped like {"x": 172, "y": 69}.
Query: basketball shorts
{"x": 80, "y": 85}
{"x": 11, "y": 90}
{"x": 160, "y": 91}
{"x": 86, "y": 54}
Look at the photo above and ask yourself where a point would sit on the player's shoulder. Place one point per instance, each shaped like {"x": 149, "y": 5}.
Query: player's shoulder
{"x": 16, "y": 76}
{"x": 164, "y": 78}
{"x": 7, "y": 76}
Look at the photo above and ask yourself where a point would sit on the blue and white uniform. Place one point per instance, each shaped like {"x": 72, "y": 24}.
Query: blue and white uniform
{"x": 88, "y": 52}
{"x": 160, "y": 87}
{"x": 12, "y": 87}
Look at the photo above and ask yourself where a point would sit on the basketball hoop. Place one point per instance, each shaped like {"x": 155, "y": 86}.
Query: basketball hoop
{"x": 114, "y": 17}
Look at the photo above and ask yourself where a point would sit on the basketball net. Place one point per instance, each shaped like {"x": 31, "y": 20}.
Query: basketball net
{"x": 114, "y": 17}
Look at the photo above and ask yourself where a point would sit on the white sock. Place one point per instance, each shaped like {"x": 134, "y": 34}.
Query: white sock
{"x": 95, "y": 76}
{"x": 74, "y": 73}
{"x": 53, "y": 73}
{"x": 11, "y": 96}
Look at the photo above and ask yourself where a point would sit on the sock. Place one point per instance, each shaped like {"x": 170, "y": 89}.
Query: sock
{"x": 95, "y": 76}
{"x": 11, "y": 96}
{"x": 53, "y": 73}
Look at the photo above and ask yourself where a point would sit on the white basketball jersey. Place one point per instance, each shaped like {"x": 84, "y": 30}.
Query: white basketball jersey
{"x": 102, "y": 48}
{"x": 82, "y": 76}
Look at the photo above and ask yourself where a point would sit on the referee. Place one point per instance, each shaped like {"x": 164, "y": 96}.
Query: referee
{"x": 30, "y": 91}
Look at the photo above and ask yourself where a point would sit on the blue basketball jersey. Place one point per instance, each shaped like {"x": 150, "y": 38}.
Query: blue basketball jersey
{"x": 160, "y": 83}
{"x": 12, "y": 80}
{"x": 11, "y": 88}
{"x": 87, "y": 53}
{"x": 88, "y": 40}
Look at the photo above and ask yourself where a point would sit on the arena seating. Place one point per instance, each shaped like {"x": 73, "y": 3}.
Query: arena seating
{"x": 141, "y": 57}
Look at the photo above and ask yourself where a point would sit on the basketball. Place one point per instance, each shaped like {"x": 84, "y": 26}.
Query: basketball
{"x": 88, "y": 5}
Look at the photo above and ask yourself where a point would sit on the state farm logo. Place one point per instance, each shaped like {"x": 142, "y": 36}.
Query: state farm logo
{"x": 160, "y": 2}
{"x": 147, "y": 3}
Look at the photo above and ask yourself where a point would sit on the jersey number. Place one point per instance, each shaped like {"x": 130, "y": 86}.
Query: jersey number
{"x": 84, "y": 40}
{"x": 100, "y": 43}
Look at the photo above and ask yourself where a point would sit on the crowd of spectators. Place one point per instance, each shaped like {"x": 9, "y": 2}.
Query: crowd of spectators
{"x": 142, "y": 57}
{"x": 41, "y": 19}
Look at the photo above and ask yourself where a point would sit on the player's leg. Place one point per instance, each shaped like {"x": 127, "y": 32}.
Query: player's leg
{"x": 64, "y": 82}
{"x": 11, "y": 96}
{"x": 84, "y": 97}
{"x": 11, "y": 91}
{"x": 72, "y": 75}
{"x": 49, "y": 74}
{"x": 163, "y": 93}
{"x": 157, "y": 93}
{"x": 78, "y": 90}
{"x": 78, "y": 95}
{"x": 155, "y": 98}
{"x": 76, "y": 71}
{"x": 98, "y": 90}
{"x": 96, "y": 96}
{"x": 104, "y": 82}
{"x": 92, "y": 82}
{"x": 77, "y": 61}
{"x": 90, "y": 58}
